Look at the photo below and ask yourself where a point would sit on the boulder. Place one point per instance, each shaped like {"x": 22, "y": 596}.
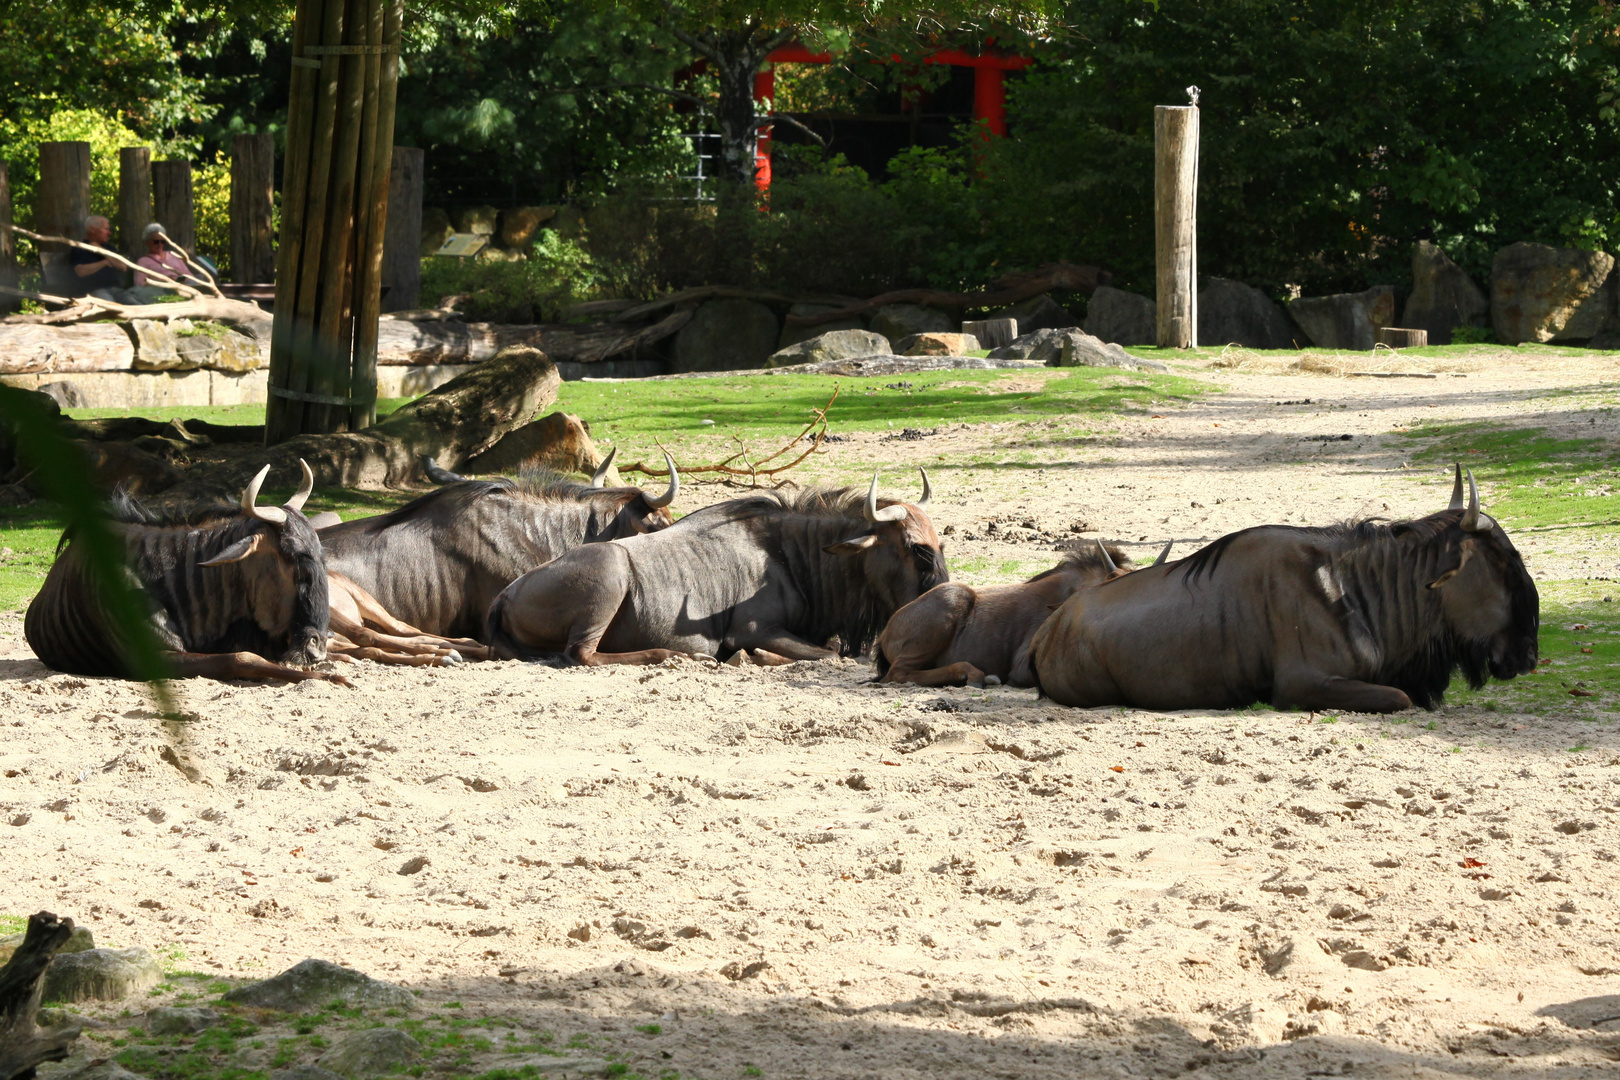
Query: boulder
{"x": 1125, "y": 318}
{"x": 187, "y": 1021}
{"x": 1232, "y": 313}
{"x": 436, "y": 229}
{"x": 1043, "y": 345}
{"x": 101, "y": 974}
{"x": 478, "y": 220}
{"x": 495, "y": 254}
{"x": 792, "y": 333}
{"x": 1038, "y": 313}
{"x": 311, "y": 984}
{"x": 81, "y": 940}
{"x": 833, "y": 345}
{"x": 304, "y": 1072}
{"x": 937, "y": 344}
{"x": 371, "y": 1052}
{"x": 1345, "y": 320}
{"x": 104, "y": 1070}
{"x": 1080, "y": 349}
{"x": 520, "y": 226}
{"x": 1536, "y": 289}
{"x": 64, "y": 393}
{"x": 896, "y": 321}
{"x": 1595, "y": 318}
{"x": 726, "y": 335}
{"x": 559, "y": 443}
{"x": 183, "y": 345}
{"x": 1443, "y": 296}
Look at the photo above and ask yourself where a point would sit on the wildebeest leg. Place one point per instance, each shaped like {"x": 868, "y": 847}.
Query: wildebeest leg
{"x": 240, "y": 665}
{"x": 1318, "y": 692}
{"x": 958, "y": 674}
{"x": 361, "y": 618}
{"x": 782, "y": 648}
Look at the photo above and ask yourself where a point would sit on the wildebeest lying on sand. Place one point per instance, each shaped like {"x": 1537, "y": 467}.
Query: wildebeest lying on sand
{"x": 956, "y": 634}
{"x": 438, "y": 562}
{"x": 227, "y": 587}
{"x": 1367, "y": 617}
{"x": 363, "y": 630}
{"x": 772, "y": 576}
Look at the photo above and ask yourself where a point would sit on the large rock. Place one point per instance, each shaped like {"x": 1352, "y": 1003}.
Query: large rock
{"x": 304, "y": 1072}
{"x": 105, "y": 1070}
{"x": 1345, "y": 320}
{"x": 26, "y": 348}
{"x": 1596, "y": 318}
{"x": 937, "y": 344}
{"x": 180, "y": 1021}
{"x": 726, "y": 335}
{"x": 896, "y": 321}
{"x": 1038, "y": 313}
{"x": 184, "y": 345}
{"x": 81, "y": 940}
{"x": 520, "y": 226}
{"x": 436, "y": 229}
{"x": 1080, "y": 349}
{"x": 1443, "y": 296}
{"x": 371, "y": 1052}
{"x": 1536, "y": 289}
{"x": 833, "y": 345}
{"x": 1125, "y": 318}
{"x": 1232, "y": 313}
{"x": 1043, "y": 345}
{"x": 312, "y": 983}
{"x": 101, "y": 974}
{"x": 478, "y": 220}
{"x": 792, "y": 333}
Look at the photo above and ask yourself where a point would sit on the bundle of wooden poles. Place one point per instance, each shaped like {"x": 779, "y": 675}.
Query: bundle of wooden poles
{"x": 340, "y": 133}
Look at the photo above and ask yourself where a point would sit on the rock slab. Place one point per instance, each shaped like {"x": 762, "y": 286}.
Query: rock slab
{"x": 1536, "y": 289}
{"x": 371, "y": 1052}
{"x": 1124, "y": 318}
{"x": 793, "y": 333}
{"x": 726, "y": 335}
{"x": 1232, "y": 313}
{"x": 1443, "y": 296}
{"x": 81, "y": 940}
{"x": 317, "y": 983}
{"x": 1345, "y": 320}
{"x": 937, "y": 343}
{"x": 897, "y": 321}
{"x": 833, "y": 345}
{"x": 1082, "y": 350}
{"x": 101, "y": 974}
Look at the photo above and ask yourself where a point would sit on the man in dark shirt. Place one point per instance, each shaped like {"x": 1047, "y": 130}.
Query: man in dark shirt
{"x": 94, "y": 273}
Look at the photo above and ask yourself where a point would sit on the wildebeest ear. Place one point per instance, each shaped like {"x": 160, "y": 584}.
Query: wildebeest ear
{"x": 1452, "y": 563}
{"x": 853, "y": 546}
{"x": 237, "y": 551}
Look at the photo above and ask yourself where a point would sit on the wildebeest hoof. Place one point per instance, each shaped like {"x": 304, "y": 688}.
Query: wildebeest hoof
{"x": 704, "y": 658}
{"x": 453, "y": 659}
{"x": 992, "y": 680}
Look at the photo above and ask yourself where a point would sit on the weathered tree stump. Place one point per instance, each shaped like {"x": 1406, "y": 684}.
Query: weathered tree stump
{"x": 23, "y": 1044}
{"x": 1397, "y": 338}
{"x": 402, "y": 237}
{"x": 62, "y": 203}
{"x": 172, "y": 201}
{"x": 134, "y": 199}
{"x": 992, "y": 333}
{"x": 8, "y": 243}
{"x": 1175, "y": 195}
{"x": 253, "y": 254}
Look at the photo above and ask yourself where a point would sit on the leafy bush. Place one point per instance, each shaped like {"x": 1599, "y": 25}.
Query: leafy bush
{"x": 19, "y": 144}
{"x": 211, "y": 207}
{"x": 557, "y": 273}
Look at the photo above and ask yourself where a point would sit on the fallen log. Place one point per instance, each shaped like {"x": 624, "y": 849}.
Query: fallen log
{"x": 1002, "y": 292}
{"x": 24, "y": 1045}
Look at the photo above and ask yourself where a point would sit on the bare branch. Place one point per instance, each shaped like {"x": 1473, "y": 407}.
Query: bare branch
{"x": 183, "y": 290}
{"x": 802, "y": 127}
{"x": 754, "y": 470}
{"x": 203, "y": 276}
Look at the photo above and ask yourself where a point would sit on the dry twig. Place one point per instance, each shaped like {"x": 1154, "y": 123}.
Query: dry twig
{"x": 753, "y": 470}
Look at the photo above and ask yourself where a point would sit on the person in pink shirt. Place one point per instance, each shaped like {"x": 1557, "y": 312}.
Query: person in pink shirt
{"x": 161, "y": 259}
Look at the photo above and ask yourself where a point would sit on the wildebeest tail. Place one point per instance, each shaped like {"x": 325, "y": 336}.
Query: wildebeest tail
{"x": 881, "y": 660}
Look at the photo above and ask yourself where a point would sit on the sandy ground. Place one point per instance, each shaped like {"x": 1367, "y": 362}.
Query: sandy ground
{"x": 796, "y": 872}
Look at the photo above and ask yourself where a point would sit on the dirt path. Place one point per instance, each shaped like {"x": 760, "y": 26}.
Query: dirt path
{"x": 713, "y": 870}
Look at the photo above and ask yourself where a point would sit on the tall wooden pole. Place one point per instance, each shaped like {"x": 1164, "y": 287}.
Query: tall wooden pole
{"x": 1175, "y": 217}
{"x": 63, "y": 203}
{"x": 8, "y": 242}
{"x": 402, "y": 244}
{"x": 172, "y": 201}
{"x": 134, "y": 199}
{"x": 253, "y": 256}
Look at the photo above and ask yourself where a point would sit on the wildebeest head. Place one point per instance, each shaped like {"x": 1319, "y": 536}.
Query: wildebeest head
{"x": 641, "y": 512}
{"x": 275, "y": 560}
{"x": 901, "y": 557}
{"x": 1489, "y": 601}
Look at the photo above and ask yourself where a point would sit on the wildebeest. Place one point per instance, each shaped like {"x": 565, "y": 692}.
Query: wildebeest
{"x": 437, "y": 562}
{"x": 1365, "y": 616}
{"x": 230, "y": 589}
{"x": 956, "y": 634}
{"x": 771, "y": 576}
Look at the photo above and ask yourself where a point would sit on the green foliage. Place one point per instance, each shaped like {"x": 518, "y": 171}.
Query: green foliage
{"x": 211, "y": 207}
{"x": 558, "y": 272}
{"x": 20, "y": 136}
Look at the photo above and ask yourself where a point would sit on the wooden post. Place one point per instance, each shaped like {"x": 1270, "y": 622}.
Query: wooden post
{"x": 134, "y": 199}
{"x": 253, "y": 257}
{"x": 8, "y": 243}
{"x": 1175, "y": 194}
{"x": 340, "y": 128}
{"x": 172, "y": 204}
{"x": 63, "y": 203}
{"x": 402, "y": 241}
{"x": 1397, "y": 338}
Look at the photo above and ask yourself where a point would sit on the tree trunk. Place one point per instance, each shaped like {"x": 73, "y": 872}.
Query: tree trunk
{"x": 402, "y": 242}
{"x": 23, "y": 1044}
{"x": 134, "y": 199}
{"x": 735, "y": 64}
{"x": 253, "y": 256}
{"x": 1175, "y": 194}
{"x": 1397, "y": 338}
{"x": 64, "y": 203}
{"x": 172, "y": 202}
{"x": 8, "y": 242}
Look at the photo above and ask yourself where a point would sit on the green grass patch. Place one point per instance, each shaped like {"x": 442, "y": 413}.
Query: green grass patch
{"x": 12, "y": 924}
{"x": 1580, "y": 652}
{"x": 1535, "y": 478}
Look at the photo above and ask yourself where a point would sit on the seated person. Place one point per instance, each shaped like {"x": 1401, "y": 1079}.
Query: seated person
{"x": 93, "y": 274}
{"x": 164, "y": 260}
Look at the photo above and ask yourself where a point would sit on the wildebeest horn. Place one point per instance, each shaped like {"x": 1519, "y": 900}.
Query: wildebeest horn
{"x": 1165, "y": 554}
{"x": 1107, "y": 559}
{"x": 250, "y": 498}
{"x": 888, "y": 513}
{"x": 674, "y": 485}
{"x": 1472, "y": 519}
{"x": 1456, "y": 491}
{"x": 304, "y": 489}
{"x": 599, "y": 477}
{"x": 928, "y": 490}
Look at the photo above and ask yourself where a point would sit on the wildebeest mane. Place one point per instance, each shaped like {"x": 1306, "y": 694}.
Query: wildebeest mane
{"x": 541, "y": 485}
{"x": 1086, "y": 559}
